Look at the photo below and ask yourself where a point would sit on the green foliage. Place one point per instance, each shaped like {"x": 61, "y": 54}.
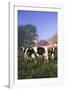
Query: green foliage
{"x": 26, "y": 35}
{"x": 28, "y": 69}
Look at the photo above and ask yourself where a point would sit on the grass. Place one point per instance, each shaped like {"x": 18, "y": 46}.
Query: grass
{"x": 28, "y": 69}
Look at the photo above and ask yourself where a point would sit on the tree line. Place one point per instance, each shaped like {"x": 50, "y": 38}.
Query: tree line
{"x": 26, "y": 35}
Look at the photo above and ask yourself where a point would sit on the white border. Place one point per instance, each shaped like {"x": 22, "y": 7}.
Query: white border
{"x": 13, "y": 46}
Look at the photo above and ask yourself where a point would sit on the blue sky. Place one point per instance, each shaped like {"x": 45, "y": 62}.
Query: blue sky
{"x": 46, "y": 22}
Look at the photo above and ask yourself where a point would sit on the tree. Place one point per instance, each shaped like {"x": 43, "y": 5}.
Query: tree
{"x": 26, "y": 35}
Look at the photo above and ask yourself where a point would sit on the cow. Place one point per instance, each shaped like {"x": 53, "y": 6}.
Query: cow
{"x": 52, "y": 52}
{"x": 43, "y": 52}
{"x": 34, "y": 52}
{"x": 29, "y": 53}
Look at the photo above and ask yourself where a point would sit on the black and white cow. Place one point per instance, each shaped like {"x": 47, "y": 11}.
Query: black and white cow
{"x": 43, "y": 52}
{"x": 52, "y": 52}
{"x": 35, "y": 52}
{"x": 29, "y": 54}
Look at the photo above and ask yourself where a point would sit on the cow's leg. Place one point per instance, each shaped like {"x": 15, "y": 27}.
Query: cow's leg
{"x": 52, "y": 56}
{"x": 25, "y": 56}
{"x": 33, "y": 56}
{"x": 45, "y": 57}
{"x": 35, "y": 61}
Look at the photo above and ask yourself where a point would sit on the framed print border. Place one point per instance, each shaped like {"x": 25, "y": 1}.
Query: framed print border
{"x": 13, "y": 81}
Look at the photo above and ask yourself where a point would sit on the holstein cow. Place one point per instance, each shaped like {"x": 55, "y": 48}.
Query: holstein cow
{"x": 29, "y": 54}
{"x": 52, "y": 52}
{"x": 43, "y": 52}
{"x": 34, "y": 52}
